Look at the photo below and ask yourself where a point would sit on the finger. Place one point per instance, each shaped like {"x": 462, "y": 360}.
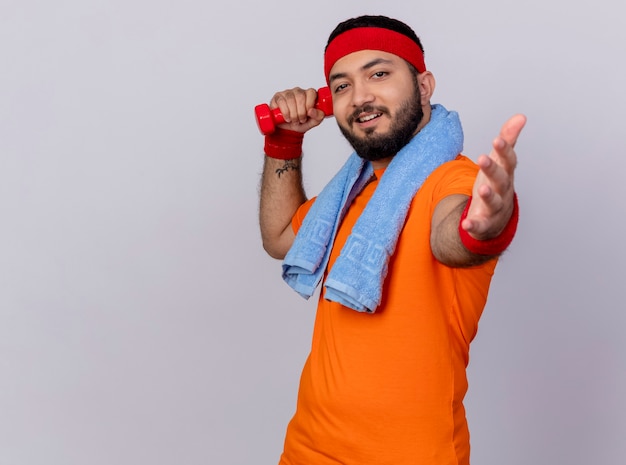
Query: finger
{"x": 292, "y": 104}
{"x": 311, "y": 99}
{"x": 316, "y": 115}
{"x": 512, "y": 128}
{"x": 503, "y": 145}
{"x": 487, "y": 194}
{"x": 476, "y": 225}
{"x": 301, "y": 109}
{"x": 485, "y": 205}
{"x": 304, "y": 101}
{"x": 502, "y": 154}
{"x": 498, "y": 173}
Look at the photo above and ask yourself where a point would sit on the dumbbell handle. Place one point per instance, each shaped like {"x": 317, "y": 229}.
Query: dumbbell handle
{"x": 267, "y": 119}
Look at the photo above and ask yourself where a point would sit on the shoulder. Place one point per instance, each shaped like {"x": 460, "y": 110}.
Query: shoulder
{"x": 460, "y": 165}
{"x": 454, "y": 177}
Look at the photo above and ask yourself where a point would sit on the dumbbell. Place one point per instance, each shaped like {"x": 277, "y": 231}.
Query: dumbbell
{"x": 267, "y": 119}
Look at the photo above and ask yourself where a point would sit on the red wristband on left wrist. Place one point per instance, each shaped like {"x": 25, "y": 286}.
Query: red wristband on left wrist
{"x": 496, "y": 245}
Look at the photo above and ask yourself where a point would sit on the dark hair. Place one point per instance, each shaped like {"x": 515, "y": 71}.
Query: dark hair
{"x": 375, "y": 21}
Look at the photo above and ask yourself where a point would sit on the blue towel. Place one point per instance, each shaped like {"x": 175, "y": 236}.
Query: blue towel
{"x": 356, "y": 279}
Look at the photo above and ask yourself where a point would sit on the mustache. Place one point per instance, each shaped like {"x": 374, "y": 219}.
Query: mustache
{"x": 366, "y": 109}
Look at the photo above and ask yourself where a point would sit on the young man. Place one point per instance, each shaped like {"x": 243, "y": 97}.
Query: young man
{"x": 404, "y": 241}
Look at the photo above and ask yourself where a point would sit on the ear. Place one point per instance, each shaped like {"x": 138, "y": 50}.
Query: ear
{"x": 426, "y": 82}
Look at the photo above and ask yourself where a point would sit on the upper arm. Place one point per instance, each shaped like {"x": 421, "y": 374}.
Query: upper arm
{"x": 280, "y": 243}
{"x": 445, "y": 242}
{"x": 281, "y": 195}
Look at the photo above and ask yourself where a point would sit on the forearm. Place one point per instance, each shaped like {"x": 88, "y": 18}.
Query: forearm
{"x": 281, "y": 194}
{"x": 281, "y": 183}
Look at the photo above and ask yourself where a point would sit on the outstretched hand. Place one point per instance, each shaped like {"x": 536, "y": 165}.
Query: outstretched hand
{"x": 492, "y": 196}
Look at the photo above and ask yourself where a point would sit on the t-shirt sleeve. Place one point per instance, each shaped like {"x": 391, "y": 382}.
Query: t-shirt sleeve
{"x": 454, "y": 177}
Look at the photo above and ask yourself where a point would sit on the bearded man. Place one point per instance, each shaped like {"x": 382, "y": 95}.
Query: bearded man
{"x": 403, "y": 241}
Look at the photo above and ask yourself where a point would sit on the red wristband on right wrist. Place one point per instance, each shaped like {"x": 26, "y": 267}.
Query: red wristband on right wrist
{"x": 284, "y": 144}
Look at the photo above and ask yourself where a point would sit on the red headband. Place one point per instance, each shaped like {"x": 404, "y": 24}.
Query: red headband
{"x": 373, "y": 38}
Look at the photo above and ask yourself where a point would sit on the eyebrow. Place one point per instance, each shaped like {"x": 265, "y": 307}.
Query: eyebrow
{"x": 365, "y": 67}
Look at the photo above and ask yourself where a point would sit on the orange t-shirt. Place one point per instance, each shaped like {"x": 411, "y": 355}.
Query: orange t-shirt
{"x": 388, "y": 387}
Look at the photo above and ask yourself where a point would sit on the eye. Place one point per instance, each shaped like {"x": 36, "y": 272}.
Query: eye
{"x": 379, "y": 74}
{"x": 340, "y": 87}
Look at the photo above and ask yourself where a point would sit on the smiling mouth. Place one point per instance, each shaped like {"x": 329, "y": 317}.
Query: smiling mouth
{"x": 365, "y": 119}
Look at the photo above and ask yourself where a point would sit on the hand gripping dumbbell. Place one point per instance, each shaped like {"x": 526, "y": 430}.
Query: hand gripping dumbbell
{"x": 267, "y": 119}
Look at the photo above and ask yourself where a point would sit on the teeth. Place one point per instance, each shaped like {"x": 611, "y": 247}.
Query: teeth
{"x": 368, "y": 118}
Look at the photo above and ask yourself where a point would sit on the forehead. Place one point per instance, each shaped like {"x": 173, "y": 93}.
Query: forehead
{"x": 363, "y": 60}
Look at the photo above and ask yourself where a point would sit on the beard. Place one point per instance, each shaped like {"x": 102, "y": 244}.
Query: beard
{"x": 372, "y": 146}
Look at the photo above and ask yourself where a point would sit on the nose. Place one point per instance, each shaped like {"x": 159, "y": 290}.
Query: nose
{"x": 361, "y": 95}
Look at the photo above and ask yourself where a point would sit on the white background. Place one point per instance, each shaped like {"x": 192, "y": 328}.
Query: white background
{"x": 140, "y": 320}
